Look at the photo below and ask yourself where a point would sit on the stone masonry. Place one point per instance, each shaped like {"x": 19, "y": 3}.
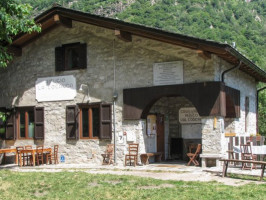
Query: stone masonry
{"x": 131, "y": 63}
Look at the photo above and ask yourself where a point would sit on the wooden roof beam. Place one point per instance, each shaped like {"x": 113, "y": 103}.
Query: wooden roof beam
{"x": 204, "y": 54}
{"x": 66, "y": 22}
{"x": 16, "y": 51}
{"x": 123, "y": 35}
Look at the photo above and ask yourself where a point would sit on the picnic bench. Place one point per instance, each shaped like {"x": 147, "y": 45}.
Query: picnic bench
{"x": 146, "y": 156}
{"x": 226, "y": 163}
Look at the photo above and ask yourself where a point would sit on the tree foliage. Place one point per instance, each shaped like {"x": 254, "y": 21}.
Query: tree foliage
{"x": 15, "y": 18}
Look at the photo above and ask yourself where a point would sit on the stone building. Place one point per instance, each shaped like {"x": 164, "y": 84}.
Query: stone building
{"x": 86, "y": 81}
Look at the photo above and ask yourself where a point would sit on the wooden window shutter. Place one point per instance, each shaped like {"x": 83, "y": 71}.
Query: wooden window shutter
{"x": 106, "y": 121}
{"x": 59, "y": 59}
{"x": 11, "y": 126}
{"x": 83, "y": 56}
{"x": 72, "y": 122}
{"x": 39, "y": 123}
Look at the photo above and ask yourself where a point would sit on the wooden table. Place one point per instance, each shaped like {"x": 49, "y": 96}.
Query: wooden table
{"x": 32, "y": 152}
{"x": 4, "y": 151}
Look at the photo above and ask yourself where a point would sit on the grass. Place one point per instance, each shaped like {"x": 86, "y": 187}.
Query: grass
{"x": 81, "y": 185}
{"x": 246, "y": 177}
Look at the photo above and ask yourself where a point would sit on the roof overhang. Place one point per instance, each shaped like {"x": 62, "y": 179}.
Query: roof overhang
{"x": 58, "y": 15}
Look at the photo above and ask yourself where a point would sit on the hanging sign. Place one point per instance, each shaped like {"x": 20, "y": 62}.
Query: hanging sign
{"x": 55, "y": 88}
{"x": 189, "y": 116}
{"x": 168, "y": 73}
{"x": 151, "y": 125}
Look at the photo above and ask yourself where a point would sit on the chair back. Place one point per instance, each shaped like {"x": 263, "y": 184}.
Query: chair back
{"x": 109, "y": 149}
{"x": 56, "y": 147}
{"x": 19, "y": 148}
{"x": 246, "y": 151}
{"x": 133, "y": 149}
{"x": 28, "y": 147}
{"x": 39, "y": 150}
{"x": 198, "y": 149}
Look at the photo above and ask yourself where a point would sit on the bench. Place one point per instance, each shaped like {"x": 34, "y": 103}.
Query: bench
{"x": 226, "y": 162}
{"x": 145, "y": 157}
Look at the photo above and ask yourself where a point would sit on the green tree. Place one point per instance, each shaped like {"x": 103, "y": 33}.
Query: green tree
{"x": 15, "y": 18}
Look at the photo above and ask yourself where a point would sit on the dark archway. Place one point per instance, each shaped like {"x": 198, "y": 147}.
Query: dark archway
{"x": 209, "y": 98}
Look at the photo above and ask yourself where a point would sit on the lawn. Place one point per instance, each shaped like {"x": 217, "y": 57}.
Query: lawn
{"x": 81, "y": 185}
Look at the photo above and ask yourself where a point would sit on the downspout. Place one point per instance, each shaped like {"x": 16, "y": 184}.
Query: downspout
{"x": 115, "y": 96}
{"x": 231, "y": 69}
{"x": 257, "y": 108}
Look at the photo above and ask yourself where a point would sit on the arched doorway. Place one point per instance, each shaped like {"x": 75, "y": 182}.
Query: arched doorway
{"x": 174, "y": 134}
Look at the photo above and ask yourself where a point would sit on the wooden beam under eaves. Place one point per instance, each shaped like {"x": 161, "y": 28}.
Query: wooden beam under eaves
{"x": 16, "y": 51}
{"x": 204, "y": 54}
{"x": 66, "y": 22}
{"x": 125, "y": 36}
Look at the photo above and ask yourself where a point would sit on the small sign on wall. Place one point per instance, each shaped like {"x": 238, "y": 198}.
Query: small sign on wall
{"x": 189, "y": 116}
{"x": 57, "y": 88}
{"x": 168, "y": 73}
{"x": 151, "y": 125}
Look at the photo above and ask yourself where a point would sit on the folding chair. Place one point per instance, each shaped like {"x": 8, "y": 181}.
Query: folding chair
{"x": 132, "y": 155}
{"x": 108, "y": 155}
{"x": 246, "y": 154}
{"x": 193, "y": 156}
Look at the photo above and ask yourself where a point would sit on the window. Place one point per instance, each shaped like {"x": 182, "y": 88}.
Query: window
{"x": 89, "y": 121}
{"x": 25, "y": 123}
{"x": 71, "y": 57}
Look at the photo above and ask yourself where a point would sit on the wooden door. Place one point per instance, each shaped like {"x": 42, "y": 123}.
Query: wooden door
{"x": 160, "y": 134}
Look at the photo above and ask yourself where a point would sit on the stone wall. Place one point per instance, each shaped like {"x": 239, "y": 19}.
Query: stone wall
{"x": 131, "y": 63}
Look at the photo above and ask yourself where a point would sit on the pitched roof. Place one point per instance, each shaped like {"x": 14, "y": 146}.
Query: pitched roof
{"x": 58, "y": 15}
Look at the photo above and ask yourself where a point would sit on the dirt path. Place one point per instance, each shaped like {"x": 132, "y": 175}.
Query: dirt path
{"x": 162, "y": 175}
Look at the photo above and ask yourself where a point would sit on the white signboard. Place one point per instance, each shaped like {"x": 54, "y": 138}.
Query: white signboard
{"x": 56, "y": 88}
{"x": 189, "y": 116}
{"x": 168, "y": 73}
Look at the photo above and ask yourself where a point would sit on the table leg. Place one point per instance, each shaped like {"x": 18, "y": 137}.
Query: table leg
{"x": 225, "y": 168}
{"x": 16, "y": 159}
{"x": 262, "y": 172}
{"x": 20, "y": 160}
{"x": 4, "y": 158}
{"x": 33, "y": 158}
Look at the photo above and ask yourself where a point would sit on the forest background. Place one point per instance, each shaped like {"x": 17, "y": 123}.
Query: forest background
{"x": 239, "y": 22}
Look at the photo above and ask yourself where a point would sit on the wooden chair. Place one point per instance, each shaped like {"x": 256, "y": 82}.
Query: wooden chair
{"x": 194, "y": 156}
{"x": 23, "y": 157}
{"x": 246, "y": 154}
{"x": 53, "y": 156}
{"x": 108, "y": 155}
{"x": 132, "y": 155}
{"x": 29, "y": 155}
{"x": 39, "y": 154}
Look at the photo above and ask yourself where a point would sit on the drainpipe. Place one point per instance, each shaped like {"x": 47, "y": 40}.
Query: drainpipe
{"x": 231, "y": 69}
{"x": 115, "y": 96}
{"x": 257, "y": 107}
